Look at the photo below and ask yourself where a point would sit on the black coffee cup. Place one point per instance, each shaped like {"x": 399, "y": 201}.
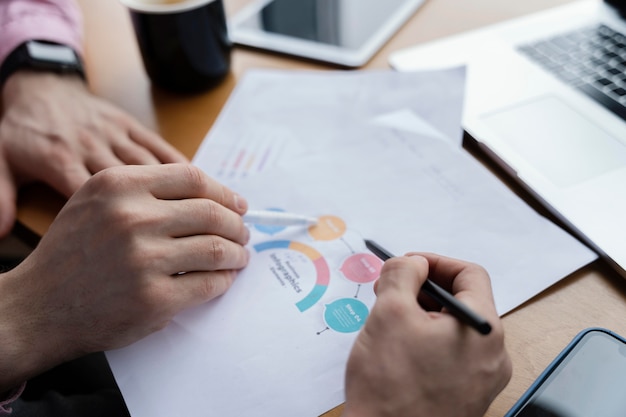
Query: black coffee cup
{"x": 184, "y": 43}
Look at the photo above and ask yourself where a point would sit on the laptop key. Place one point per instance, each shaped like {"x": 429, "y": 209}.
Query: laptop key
{"x": 593, "y": 60}
{"x": 603, "y": 99}
{"x": 619, "y": 91}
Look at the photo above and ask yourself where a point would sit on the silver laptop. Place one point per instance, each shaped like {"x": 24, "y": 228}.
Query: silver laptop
{"x": 546, "y": 97}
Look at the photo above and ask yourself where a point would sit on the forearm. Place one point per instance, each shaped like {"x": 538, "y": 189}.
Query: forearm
{"x": 12, "y": 365}
{"x": 22, "y": 353}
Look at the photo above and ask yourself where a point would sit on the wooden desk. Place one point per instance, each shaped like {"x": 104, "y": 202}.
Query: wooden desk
{"x": 536, "y": 332}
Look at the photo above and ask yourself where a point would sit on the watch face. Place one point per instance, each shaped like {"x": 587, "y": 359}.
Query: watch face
{"x": 50, "y": 52}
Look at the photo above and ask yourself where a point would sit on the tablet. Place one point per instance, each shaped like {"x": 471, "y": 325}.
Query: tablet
{"x": 343, "y": 32}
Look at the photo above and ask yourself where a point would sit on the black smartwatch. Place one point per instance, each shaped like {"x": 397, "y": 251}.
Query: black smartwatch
{"x": 42, "y": 56}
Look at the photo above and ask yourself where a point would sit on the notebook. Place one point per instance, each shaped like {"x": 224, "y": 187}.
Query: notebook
{"x": 545, "y": 98}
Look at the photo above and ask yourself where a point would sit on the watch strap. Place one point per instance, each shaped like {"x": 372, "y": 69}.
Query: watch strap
{"x": 42, "y": 56}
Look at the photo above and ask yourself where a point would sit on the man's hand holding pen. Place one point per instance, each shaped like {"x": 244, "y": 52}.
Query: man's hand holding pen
{"x": 403, "y": 341}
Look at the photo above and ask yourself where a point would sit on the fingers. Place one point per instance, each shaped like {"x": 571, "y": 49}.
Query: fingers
{"x": 458, "y": 275}
{"x": 444, "y": 270}
{"x": 194, "y": 288}
{"x": 66, "y": 181}
{"x": 401, "y": 279}
{"x": 467, "y": 281}
{"x": 122, "y": 153}
{"x": 182, "y": 200}
{"x": 179, "y": 181}
{"x": 202, "y": 216}
{"x": 210, "y": 265}
{"x": 160, "y": 148}
{"x": 205, "y": 253}
{"x": 101, "y": 159}
{"x": 131, "y": 153}
{"x": 126, "y": 141}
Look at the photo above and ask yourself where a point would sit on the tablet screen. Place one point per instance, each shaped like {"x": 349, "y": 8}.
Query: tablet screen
{"x": 345, "y": 23}
{"x": 300, "y": 26}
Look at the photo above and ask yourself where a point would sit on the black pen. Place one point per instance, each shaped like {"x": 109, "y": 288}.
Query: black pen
{"x": 447, "y": 300}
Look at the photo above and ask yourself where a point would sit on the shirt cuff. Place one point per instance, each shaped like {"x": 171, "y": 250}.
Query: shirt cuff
{"x": 9, "y": 397}
{"x": 56, "y": 21}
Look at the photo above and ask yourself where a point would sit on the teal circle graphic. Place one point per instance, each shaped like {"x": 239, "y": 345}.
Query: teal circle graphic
{"x": 346, "y": 315}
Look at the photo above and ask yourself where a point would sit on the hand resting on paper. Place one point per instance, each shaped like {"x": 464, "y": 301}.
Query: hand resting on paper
{"x": 56, "y": 131}
{"x": 414, "y": 361}
{"x": 107, "y": 272}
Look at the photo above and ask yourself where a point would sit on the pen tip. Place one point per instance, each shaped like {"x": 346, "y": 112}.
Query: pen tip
{"x": 484, "y": 328}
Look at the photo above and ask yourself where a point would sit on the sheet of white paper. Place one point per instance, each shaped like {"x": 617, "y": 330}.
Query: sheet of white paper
{"x": 406, "y": 120}
{"x": 276, "y": 343}
{"x": 274, "y": 115}
{"x": 413, "y": 194}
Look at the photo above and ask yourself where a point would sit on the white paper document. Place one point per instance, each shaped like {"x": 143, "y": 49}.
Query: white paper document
{"x": 374, "y": 155}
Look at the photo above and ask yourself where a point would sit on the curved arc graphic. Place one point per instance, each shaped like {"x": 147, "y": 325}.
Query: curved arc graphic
{"x": 321, "y": 267}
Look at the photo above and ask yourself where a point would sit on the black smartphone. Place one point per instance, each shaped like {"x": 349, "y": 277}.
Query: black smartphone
{"x": 588, "y": 378}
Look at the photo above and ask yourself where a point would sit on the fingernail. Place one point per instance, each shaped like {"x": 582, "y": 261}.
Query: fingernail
{"x": 417, "y": 257}
{"x": 240, "y": 203}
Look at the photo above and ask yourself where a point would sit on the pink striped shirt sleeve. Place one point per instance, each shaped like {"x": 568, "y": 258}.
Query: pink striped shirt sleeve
{"x": 14, "y": 394}
{"x": 49, "y": 20}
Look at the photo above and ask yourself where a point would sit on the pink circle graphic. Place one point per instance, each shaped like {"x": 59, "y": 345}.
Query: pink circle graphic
{"x": 362, "y": 268}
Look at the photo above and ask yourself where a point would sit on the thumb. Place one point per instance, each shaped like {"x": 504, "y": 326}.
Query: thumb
{"x": 8, "y": 196}
{"x": 403, "y": 275}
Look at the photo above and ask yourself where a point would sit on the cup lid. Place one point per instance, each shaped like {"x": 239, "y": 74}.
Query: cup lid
{"x": 163, "y": 6}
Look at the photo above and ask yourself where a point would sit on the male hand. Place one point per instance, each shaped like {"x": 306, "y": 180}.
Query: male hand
{"x": 133, "y": 247}
{"x": 409, "y": 361}
{"x": 56, "y": 131}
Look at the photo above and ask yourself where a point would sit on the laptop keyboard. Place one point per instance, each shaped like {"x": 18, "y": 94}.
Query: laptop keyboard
{"x": 592, "y": 60}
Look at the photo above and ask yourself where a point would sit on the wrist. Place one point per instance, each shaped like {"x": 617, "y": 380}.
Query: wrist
{"x": 35, "y": 85}
{"x": 25, "y": 350}
{"x": 41, "y": 56}
{"x": 13, "y": 364}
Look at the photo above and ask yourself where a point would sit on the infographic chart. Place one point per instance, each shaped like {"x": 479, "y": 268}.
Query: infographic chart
{"x": 320, "y": 266}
